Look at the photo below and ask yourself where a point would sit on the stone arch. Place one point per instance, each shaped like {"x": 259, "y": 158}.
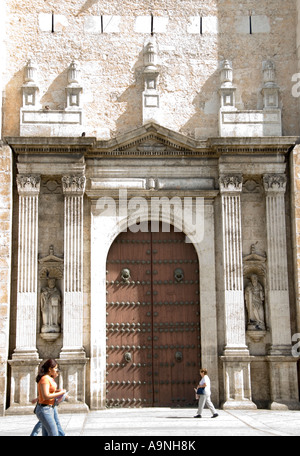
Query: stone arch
{"x": 103, "y": 234}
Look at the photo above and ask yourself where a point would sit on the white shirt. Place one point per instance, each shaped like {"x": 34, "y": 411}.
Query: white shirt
{"x": 206, "y": 380}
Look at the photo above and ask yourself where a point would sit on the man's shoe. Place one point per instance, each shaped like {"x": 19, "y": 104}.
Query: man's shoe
{"x": 197, "y": 416}
{"x": 215, "y": 415}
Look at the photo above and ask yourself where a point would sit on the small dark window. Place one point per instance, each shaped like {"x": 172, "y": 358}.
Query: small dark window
{"x": 250, "y": 22}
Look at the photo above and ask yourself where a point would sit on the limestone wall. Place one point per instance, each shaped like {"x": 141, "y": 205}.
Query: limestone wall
{"x": 193, "y": 38}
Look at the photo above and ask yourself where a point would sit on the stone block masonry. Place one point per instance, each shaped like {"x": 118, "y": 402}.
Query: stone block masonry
{"x": 5, "y": 263}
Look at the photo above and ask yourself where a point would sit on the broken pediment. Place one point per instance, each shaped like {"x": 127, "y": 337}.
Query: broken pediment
{"x": 51, "y": 266}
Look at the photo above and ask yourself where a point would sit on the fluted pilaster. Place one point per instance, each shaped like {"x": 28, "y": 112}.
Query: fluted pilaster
{"x": 275, "y": 186}
{"x": 236, "y": 359}
{"x": 73, "y": 189}
{"x": 230, "y": 188}
{"x": 28, "y": 189}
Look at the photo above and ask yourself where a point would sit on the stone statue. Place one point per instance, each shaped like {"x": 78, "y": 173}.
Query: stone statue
{"x": 51, "y": 308}
{"x": 254, "y": 298}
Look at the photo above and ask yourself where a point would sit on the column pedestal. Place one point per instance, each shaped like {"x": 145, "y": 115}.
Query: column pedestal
{"x": 284, "y": 383}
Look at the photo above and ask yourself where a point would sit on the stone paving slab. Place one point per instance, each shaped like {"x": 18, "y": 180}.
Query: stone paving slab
{"x": 163, "y": 422}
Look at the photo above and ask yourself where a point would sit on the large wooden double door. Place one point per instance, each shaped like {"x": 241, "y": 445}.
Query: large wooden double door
{"x": 153, "y": 326}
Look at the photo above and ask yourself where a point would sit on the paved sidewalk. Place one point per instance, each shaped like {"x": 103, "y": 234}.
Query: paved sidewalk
{"x": 154, "y": 422}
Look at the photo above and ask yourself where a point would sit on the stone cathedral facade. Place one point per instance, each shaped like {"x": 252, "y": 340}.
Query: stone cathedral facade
{"x": 149, "y": 201}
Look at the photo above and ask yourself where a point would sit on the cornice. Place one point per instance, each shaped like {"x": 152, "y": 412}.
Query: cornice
{"x": 152, "y": 140}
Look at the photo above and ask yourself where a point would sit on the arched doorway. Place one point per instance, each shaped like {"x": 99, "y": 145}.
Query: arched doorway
{"x": 153, "y": 323}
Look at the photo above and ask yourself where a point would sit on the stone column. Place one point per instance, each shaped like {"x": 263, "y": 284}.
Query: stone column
{"x": 282, "y": 365}
{"x": 72, "y": 357}
{"x": 25, "y": 359}
{"x": 236, "y": 359}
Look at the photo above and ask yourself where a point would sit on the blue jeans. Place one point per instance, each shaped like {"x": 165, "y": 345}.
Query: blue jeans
{"x": 49, "y": 421}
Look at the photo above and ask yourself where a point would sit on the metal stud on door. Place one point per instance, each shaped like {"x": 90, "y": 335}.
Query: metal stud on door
{"x": 153, "y": 334}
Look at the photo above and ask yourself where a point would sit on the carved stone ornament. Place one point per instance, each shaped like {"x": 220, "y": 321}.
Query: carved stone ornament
{"x": 254, "y": 265}
{"x": 254, "y": 262}
{"x": 50, "y": 310}
{"x": 231, "y": 183}
{"x": 73, "y": 185}
{"x": 274, "y": 183}
{"x": 51, "y": 266}
{"x": 254, "y": 300}
{"x": 28, "y": 184}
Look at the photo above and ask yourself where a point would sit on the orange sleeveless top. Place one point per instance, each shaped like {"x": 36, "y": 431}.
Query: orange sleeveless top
{"x": 52, "y": 388}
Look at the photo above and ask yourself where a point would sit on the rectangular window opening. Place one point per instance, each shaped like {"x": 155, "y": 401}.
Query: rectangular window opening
{"x": 152, "y": 24}
{"x": 201, "y": 29}
{"x": 52, "y": 23}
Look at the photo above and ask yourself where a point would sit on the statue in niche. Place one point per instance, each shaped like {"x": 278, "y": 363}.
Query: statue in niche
{"x": 254, "y": 299}
{"x": 51, "y": 308}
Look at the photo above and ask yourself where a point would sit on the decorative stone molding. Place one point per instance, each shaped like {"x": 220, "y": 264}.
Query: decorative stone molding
{"x": 231, "y": 183}
{"x": 227, "y": 89}
{"x": 28, "y": 185}
{"x": 270, "y": 90}
{"x": 37, "y": 121}
{"x": 234, "y": 122}
{"x": 73, "y": 185}
{"x": 274, "y": 183}
{"x": 30, "y": 88}
{"x": 51, "y": 266}
{"x": 74, "y": 89}
{"x": 150, "y": 94}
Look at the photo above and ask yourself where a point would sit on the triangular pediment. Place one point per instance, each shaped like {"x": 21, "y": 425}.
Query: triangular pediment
{"x": 151, "y": 140}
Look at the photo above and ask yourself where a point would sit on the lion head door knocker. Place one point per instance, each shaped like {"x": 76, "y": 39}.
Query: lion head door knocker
{"x": 179, "y": 275}
{"x": 125, "y": 275}
{"x": 128, "y": 357}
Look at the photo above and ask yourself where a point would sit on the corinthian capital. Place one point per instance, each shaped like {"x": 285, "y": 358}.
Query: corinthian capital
{"x": 274, "y": 183}
{"x": 231, "y": 183}
{"x": 73, "y": 185}
{"x": 28, "y": 185}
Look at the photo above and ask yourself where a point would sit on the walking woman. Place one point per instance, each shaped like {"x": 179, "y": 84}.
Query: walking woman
{"x": 204, "y": 398}
{"x": 47, "y": 393}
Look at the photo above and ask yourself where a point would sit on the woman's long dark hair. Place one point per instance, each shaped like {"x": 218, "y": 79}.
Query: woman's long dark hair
{"x": 50, "y": 363}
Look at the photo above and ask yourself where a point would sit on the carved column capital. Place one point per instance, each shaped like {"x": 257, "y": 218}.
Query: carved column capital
{"x": 274, "y": 183}
{"x": 231, "y": 183}
{"x": 73, "y": 185}
{"x": 28, "y": 184}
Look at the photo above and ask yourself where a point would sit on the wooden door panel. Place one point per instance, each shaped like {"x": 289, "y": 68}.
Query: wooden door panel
{"x": 175, "y": 319}
{"x": 152, "y": 320}
{"x": 129, "y": 322}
